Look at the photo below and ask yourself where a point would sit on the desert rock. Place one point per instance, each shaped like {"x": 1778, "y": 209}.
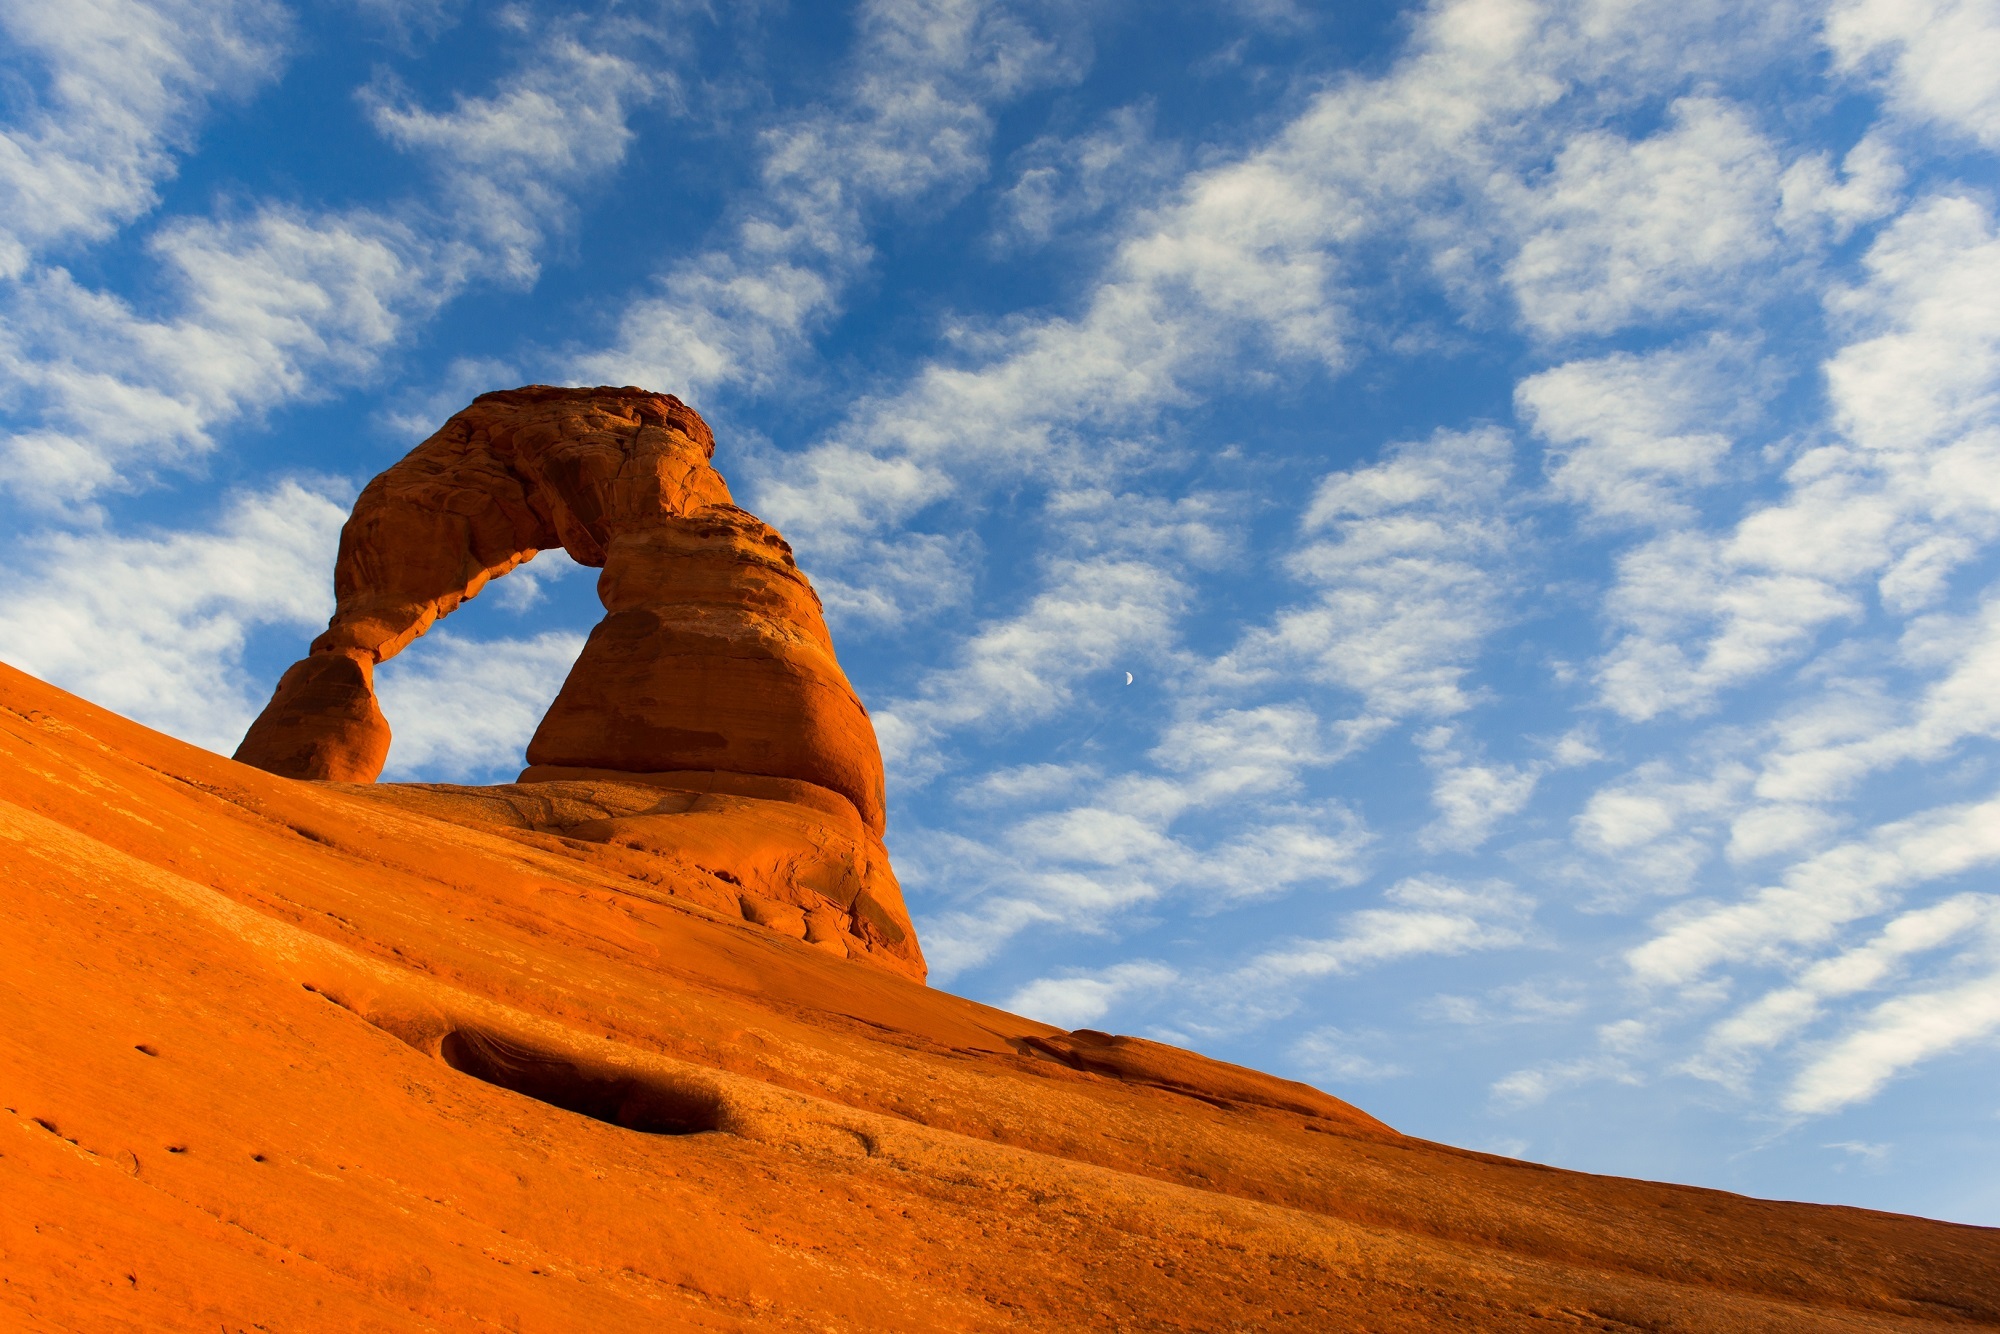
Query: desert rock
{"x": 386, "y": 1056}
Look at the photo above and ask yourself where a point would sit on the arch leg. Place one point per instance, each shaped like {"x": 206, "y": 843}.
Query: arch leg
{"x": 322, "y": 722}
{"x": 424, "y": 536}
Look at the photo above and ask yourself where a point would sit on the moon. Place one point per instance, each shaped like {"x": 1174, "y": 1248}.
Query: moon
{"x": 1128, "y": 678}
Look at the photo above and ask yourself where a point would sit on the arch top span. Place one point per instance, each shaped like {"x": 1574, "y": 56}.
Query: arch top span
{"x": 713, "y": 654}
{"x": 516, "y": 473}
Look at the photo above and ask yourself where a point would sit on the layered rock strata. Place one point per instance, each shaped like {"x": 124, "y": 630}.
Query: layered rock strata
{"x": 711, "y": 681}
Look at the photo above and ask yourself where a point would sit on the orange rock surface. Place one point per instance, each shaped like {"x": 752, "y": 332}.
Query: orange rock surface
{"x": 302, "y": 1055}
{"x": 711, "y": 676}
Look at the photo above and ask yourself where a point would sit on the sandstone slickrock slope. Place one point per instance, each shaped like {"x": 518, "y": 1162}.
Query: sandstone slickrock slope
{"x": 707, "y": 717}
{"x": 305, "y": 1056}
{"x": 625, "y": 1045}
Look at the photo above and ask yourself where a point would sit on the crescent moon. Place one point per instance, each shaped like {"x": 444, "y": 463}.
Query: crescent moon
{"x": 1128, "y": 678}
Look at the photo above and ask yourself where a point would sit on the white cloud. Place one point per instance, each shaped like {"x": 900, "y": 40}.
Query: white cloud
{"x": 1926, "y": 368}
{"x": 463, "y": 709}
{"x": 154, "y": 627}
{"x": 1328, "y": 1056}
{"x": 411, "y": 22}
{"x": 1781, "y": 1014}
{"x": 510, "y": 163}
{"x": 126, "y": 83}
{"x": 1653, "y": 830}
{"x": 1652, "y": 804}
{"x": 1770, "y": 828}
{"x": 1025, "y": 784}
{"x": 1699, "y": 618}
{"x": 1896, "y": 1035}
{"x": 1253, "y": 257}
{"x": 1027, "y": 667}
{"x": 1904, "y": 499}
{"x": 1473, "y": 796}
{"x": 1061, "y": 183}
{"x": 1410, "y": 557}
{"x": 1244, "y": 254}
{"x": 1817, "y": 896}
{"x": 1634, "y": 434}
{"x": 1076, "y": 999}
{"x": 1288, "y": 847}
{"x": 889, "y": 580}
{"x": 1874, "y": 1155}
{"x": 1425, "y": 916}
{"x": 1401, "y": 550}
{"x": 1516, "y": 1003}
{"x": 1526, "y": 1088}
{"x": 1472, "y": 799}
{"x": 1087, "y": 866}
{"x": 1939, "y": 58}
{"x": 1429, "y": 916}
{"x": 1822, "y": 754}
{"x": 1096, "y": 836}
{"x": 1240, "y": 752}
{"x": 911, "y": 125}
{"x": 1870, "y": 181}
{"x": 1624, "y": 232}
{"x": 271, "y": 307}
{"x": 279, "y": 303}
{"x": 1200, "y": 528}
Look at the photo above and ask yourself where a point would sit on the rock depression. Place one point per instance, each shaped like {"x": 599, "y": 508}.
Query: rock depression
{"x": 707, "y": 719}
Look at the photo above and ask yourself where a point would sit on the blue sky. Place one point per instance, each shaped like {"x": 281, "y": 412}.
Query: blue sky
{"x": 1539, "y": 461}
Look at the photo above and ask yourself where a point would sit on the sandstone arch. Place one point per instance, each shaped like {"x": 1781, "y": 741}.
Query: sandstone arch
{"x": 713, "y": 655}
{"x": 706, "y": 729}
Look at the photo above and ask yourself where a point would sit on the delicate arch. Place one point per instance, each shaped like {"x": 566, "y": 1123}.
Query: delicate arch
{"x": 713, "y": 656}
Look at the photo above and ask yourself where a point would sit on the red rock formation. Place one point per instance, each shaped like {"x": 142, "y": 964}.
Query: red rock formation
{"x": 310, "y": 1056}
{"x": 711, "y": 672}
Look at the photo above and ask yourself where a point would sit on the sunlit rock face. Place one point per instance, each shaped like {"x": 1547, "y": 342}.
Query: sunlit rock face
{"x": 397, "y": 1056}
{"x": 711, "y": 679}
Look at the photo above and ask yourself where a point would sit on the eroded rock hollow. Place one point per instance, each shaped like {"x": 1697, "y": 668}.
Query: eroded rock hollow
{"x": 710, "y": 685}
